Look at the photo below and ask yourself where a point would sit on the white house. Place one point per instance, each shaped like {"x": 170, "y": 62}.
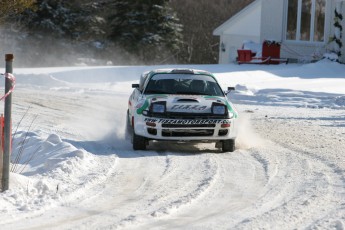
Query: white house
{"x": 306, "y": 29}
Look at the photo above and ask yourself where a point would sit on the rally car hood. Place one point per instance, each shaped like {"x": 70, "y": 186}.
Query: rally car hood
{"x": 197, "y": 104}
{"x": 187, "y": 103}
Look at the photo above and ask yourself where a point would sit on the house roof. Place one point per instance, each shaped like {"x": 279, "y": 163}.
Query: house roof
{"x": 245, "y": 22}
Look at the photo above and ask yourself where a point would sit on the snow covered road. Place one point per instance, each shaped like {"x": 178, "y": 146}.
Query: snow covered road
{"x": 288, "y": 170}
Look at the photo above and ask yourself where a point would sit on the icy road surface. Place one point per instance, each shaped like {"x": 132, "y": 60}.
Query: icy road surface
{"x": 288, "y": 170}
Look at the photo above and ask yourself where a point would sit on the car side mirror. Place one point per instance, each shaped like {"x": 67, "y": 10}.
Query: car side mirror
{"x": 229, "y": 90}
{"x": 135, "y": 85}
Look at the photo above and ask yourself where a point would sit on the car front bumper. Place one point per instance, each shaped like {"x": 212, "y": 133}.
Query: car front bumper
{"x": 185, "y": 129}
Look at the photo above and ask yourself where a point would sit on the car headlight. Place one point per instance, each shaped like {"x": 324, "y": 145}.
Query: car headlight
{"x": 219, "y": 109}
{"x": 158, "y": 107}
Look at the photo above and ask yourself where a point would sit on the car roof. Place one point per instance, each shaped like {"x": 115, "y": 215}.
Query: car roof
{"x": 180, "y": 71}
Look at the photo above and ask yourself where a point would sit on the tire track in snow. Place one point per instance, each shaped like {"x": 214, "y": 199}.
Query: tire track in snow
{"x": 312, "y": 149}
{"x": 144, "y": 187}
{"x": 238, "y": 180}
{"x": 298, "y": 189}
{"x": 201, "y": 187}
{"x": 302, "y": 192}
{"x": 179, "y": 186}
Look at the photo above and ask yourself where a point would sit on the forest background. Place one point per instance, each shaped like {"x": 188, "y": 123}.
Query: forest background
{"x": 113, "y": 32}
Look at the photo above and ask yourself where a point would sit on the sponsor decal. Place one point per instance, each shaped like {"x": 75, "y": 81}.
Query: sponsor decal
{"x": 187, "y": 122}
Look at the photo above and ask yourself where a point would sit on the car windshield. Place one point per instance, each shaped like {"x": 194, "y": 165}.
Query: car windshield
{"x": 189, "y": 84}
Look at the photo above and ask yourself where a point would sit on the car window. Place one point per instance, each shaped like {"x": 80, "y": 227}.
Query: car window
{"x": 183, "y": 84}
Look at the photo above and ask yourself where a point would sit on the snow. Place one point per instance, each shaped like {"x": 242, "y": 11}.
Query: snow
{"x": 254, "y": 47}
{"x": 75, "y": 170}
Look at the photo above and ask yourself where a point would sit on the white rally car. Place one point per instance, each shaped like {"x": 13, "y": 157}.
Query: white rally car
{"x": 181, "y": 105}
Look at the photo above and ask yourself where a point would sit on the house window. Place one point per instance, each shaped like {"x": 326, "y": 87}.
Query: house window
{"x": 306, "y": 20}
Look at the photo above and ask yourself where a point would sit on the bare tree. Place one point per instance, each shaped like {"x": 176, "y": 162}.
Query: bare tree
{"x": 199, "y": 18}
{"x": 9, "y": 7}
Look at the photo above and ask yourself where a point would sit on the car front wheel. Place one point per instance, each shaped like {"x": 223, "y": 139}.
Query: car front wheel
{"x": 139, "y": 142}
{"x": 129, "y": 129}
{"x": 228, "y": 145}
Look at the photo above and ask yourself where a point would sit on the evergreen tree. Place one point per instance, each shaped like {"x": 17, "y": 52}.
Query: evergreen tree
{"x": 54, "y": 17}
{"x": 148, "y": 29}
{"x": 57, "y": 32}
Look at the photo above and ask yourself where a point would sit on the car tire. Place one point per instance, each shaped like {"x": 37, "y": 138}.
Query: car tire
{"x": 228, "y": 145}
{"x": 129, "y": 129}
{"x": 139, "y": 142}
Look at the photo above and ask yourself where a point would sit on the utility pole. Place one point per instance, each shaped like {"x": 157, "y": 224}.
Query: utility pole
{"x": 7, "y": 129}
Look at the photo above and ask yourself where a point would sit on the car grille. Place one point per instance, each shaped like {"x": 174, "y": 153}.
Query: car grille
{"x": 188, "y": 126}
{"x": 172, "y": 115}
{"x": 187, "y": 132}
